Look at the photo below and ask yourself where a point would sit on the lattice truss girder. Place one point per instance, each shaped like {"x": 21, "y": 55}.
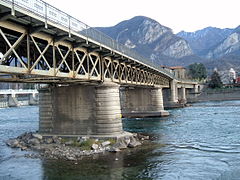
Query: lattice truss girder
{"x": 39, "y": 54}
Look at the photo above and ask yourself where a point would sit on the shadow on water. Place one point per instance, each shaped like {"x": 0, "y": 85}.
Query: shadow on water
{"x": 117, "y": 166}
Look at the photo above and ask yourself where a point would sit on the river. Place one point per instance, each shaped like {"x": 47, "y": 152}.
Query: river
{"x": 197, "y": 142}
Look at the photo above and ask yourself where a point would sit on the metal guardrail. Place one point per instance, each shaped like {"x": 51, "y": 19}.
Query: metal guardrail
{"x": 50, "y": 13}
{"x": 20, "y": 91}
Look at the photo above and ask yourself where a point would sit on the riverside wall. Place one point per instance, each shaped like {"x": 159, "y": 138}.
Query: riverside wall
{"x": 216, "y": 95}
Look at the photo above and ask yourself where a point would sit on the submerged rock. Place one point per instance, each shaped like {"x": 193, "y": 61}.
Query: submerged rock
{"x": 13, "y": 143}
{"x": 134, "y": 144}
{"x": 114, "y": 149}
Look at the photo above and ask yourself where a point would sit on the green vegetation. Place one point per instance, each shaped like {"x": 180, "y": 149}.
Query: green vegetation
{"x": 215, "y": 81}
{"x": 197, "y": 71}
{"x": 85, "y": 145}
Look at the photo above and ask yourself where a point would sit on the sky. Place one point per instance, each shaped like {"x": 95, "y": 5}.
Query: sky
{"x": 187, "y": 15}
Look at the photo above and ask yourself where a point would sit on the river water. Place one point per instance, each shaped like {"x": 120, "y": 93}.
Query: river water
{"x": 198, "y": 142}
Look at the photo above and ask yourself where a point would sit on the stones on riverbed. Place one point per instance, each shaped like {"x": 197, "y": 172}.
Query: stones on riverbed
{"x": 134, "y": 143}
{"x": 82, "y": 139}
{"x": 56, "y": 139}
{"x": 71, "y": 158}
{"x": 72, "y": 149}
{"x": 38, "y": 136}
{"x": 13, "y": 143}
{"x": 94, "y": 146}
{"x": 113, "y": 149}
{"x": 106, "y": 143}
{"x": 69, "y": 143}
{"x": 48, "y": 140}
{"x": 142, "y": 137}
{"x": 125, "y": 142}
{"x": 33, "y": 142}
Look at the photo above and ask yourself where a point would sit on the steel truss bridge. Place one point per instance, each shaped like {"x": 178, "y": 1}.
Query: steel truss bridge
{"x": 41, "y": 44}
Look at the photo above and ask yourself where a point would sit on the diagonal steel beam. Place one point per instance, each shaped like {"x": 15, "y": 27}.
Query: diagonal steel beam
{"x": 41, "y": 54}
{"x": 12, "y": 47}
{"x": 81, "y": 61}
{"x": 63, "y": 59}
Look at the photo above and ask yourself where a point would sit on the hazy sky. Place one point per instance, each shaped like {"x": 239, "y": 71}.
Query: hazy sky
{"x": 188, "y": 15}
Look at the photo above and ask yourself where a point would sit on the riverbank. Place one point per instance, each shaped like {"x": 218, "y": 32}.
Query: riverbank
{"x": 72, "y": 149}
{"x": 227, "y": 94}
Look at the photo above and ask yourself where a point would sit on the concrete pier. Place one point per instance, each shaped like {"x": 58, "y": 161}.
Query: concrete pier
{"x": 174, "y": 92}
{"x": 142, "y": 102}
{"x": 108, "y": 109}
{"x": 80, "y": 110}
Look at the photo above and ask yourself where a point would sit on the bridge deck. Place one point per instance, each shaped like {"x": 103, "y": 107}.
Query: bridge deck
{"x": 40, "y": 43}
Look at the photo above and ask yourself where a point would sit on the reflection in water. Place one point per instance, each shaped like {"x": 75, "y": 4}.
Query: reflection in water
{"x": 198, "y": 142}
{"x": 110, "y": 166}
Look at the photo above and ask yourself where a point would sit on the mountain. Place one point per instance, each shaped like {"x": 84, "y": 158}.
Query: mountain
{"x": 212, "y": 46}
{"x": 150, "y": 39}
{"x": 220, "y": 48}
{"x": 202, "y": 41}
{"x": 229, "y": 46}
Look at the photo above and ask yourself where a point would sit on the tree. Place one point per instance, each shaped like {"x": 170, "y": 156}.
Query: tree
{"x": 215, "y": 81}
{"x": 197, "y": 71}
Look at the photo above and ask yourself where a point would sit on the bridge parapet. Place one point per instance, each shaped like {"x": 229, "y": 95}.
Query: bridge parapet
{"x": 20, "y": 91}
{"x": 53, "y": 17}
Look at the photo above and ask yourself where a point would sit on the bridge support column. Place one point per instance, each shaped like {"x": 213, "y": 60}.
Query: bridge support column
{"x": 174, "y": 92}
{"x": 157, "y": 101}
{"x": 183, "y": 98}
{"x": 108, "y": 109}
{"x": 33, "y": 99}
{"x": 80, "y": 110}
{"x": 196, "y": 88}
{"x": 12, "y": 100}
{"x": 142, "y": 102}
{"x": 46, "y": 110}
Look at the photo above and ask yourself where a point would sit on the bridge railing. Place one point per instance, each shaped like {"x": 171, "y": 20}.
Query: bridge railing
{"x": 50, "y": 13}
{"x": 19, "y": 91}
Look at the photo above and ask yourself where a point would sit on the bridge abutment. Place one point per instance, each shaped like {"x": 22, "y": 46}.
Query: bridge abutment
{"x": 80, "y": 110}
{"x": 142, "y": 102}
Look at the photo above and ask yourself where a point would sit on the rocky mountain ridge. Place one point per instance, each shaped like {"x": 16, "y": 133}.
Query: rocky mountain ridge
{"x": 149, "y": 38}
{"x": 203, "y": 40}
{"x": 219, "y": 47}
{"x": 211, "y": 46}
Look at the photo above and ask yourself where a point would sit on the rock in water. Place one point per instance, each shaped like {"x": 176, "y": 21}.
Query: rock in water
{"x": 69, "y": 143}
{"x": 34, "y": 141}
{"x": 106, "y": 143}
{"x": 13, "y": 143}
{"x": 114, "y": 149}
{"x": 133, "y": 143}
{"x": 38, "y": 136}
{"x": 94, "y": 147}
{"x": 48, "y": 140}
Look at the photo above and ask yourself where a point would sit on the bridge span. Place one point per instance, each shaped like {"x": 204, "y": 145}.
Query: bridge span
{"x": 14, "y": 98}
{"x": 92, "y": 80}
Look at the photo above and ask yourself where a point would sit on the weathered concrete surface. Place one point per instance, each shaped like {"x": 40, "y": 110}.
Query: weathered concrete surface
{"x": 12, "y": 101}
{"x": 80, "y": 110}
{"x": 108, "y": 109}
{"x": 142, "y": 102}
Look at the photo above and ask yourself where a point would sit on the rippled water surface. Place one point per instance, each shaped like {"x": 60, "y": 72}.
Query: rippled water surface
{"x": 198, "y": 142}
